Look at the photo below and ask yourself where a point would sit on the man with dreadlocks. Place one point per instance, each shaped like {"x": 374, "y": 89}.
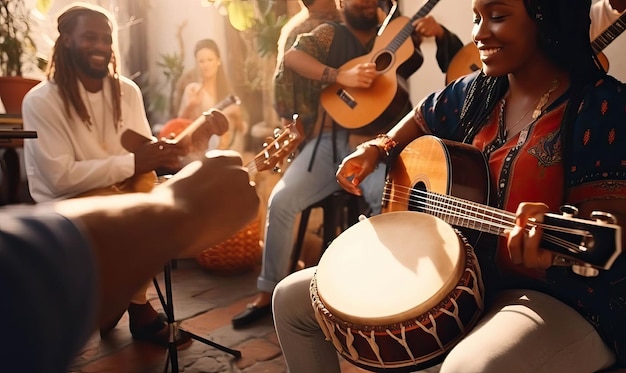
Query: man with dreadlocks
{"x": 80, "y": 113}
{"x": 551, "y": 126}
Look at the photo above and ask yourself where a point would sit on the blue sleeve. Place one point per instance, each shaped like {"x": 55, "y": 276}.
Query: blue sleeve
{"x": 441, "y": 110}
{"x": 598, "y": 147}
{"x": 48, "y": 287}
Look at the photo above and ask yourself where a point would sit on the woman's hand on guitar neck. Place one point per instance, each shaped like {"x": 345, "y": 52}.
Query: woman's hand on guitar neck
{"x": 523, "y": 240}
{"x": 215, "y": 124}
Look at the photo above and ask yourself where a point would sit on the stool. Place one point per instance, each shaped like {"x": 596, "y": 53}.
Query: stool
{"x": 340, "y": 210}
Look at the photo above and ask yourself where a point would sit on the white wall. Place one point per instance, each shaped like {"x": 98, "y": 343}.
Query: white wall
{"x": 457, "y": 15}
{"x": 164, "y": 18}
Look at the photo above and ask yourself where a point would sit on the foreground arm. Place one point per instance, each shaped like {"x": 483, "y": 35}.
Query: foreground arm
{"x": 134, "y": 235}
{"x": 53, "y": 257}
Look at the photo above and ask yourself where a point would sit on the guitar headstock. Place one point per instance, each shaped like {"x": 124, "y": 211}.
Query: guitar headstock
{"x": 283, "y": 144}
{"x": 585, "y": 243}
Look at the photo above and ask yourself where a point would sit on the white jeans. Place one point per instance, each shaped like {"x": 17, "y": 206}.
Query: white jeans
{"x": 522, "y": 331}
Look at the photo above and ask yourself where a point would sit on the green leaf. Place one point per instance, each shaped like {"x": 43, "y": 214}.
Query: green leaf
{"x": 43, "y": 6}
{"x": 241, "y": 14}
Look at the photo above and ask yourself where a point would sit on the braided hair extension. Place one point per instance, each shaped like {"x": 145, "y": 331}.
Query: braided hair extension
{"x": 482, "y": 96}
{"x": 62, "y": 68}
{"x": 564, "y": 37}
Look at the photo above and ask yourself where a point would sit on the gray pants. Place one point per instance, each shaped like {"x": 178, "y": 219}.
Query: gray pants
{"x": 523, "y": 331}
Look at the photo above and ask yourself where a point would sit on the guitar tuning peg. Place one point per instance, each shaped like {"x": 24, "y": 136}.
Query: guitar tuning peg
{"x": 277, "y": 132}
{"x": 569, "y": 211}
{"x": 603, "y": 217}
{"x": 277, "y": 169}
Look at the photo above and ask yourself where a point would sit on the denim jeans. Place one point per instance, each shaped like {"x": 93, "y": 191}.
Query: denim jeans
{"x": 299, "y": 188}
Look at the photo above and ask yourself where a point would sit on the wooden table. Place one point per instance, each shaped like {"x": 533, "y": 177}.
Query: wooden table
{"x": 12, "y": 137}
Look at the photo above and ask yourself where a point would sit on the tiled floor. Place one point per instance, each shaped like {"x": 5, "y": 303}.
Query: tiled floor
{"x": 205, "y": 302}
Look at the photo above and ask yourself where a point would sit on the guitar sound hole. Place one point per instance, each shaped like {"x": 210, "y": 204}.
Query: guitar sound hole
{"x": 383, "y": 61}
{"x": 417, "y": 197}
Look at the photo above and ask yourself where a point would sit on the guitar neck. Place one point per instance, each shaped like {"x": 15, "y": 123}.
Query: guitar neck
{"x": 577, "y": 239}
{"x": 467, "y": 214}
{"x": 407, "y": 30}
{"x": 230, "y": 100}
{"x": 610, "y": 34}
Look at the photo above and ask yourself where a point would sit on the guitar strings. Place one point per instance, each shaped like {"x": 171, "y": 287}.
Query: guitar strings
{"x": 476, "y": 215}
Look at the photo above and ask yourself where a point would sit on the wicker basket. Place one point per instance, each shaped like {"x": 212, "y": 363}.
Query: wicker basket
{"x": 239, "y": 253}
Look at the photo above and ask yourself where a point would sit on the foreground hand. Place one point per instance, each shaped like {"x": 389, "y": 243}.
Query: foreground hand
{"x": 214, "y": 198}
{"x": 523, "y": 240}
{"x": 355, "y": 167}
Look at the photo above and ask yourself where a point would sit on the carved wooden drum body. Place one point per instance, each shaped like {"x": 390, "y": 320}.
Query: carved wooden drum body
{"x": 397, "y": 291}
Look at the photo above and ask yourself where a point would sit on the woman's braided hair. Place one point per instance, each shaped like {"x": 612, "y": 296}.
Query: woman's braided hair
{"x": 563, "y": 32}
{"x": 62, "y": 68}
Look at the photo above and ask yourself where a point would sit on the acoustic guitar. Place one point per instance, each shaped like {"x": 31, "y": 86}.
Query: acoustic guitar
{"x": 180, "y": 127}
{"x": 467, "y": 60}
{"x": 450, "y": 181}
{"x": 284, "y": 143}
{"x": 354, "y": 108}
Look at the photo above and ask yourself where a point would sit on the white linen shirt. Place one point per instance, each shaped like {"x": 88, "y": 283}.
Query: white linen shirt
{"x": 68, "y": 157}
{"x": 602, "y": 16}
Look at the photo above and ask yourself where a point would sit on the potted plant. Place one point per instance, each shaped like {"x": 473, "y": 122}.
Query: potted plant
{"x": 16, "y": 47}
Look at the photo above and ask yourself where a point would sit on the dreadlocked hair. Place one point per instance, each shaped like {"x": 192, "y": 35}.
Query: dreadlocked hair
{"x": 62, "y": 69}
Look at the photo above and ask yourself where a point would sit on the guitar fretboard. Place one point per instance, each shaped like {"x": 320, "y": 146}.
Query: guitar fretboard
{"x": 610, "y": 34}
{"x": 407, "y": 30}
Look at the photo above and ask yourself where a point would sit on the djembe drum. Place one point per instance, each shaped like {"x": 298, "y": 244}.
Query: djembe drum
{"x": 397, "y": 291}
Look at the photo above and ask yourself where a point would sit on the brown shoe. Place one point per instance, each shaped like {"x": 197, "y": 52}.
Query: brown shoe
{"x": 156, "y": 330}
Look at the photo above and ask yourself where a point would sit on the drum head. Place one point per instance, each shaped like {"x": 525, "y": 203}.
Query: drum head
{"x": 389, "y": 268}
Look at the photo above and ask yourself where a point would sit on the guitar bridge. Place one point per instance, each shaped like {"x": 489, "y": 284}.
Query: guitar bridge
{"x": 346, "y": 97}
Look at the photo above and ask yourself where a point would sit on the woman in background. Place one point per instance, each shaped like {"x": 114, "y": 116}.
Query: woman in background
{"x": 210, "y": 89}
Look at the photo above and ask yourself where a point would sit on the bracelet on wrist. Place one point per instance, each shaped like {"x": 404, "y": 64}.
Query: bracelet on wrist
{"x": 329, "y": 76}
{"x": 383, "y": 143}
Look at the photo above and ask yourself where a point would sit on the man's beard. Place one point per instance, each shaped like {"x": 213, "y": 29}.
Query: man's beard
{"x": 359, "y": 22}
{"x": 83, "y": 65}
